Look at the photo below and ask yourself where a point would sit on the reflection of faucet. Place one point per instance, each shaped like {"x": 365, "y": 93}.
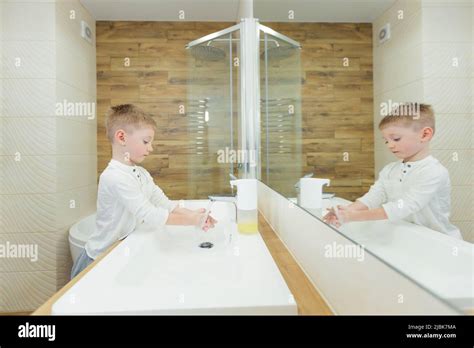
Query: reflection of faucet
{"x": 297, "y": 185}
{"x": 225, "y": 198}
{"x": 232, "y": 177}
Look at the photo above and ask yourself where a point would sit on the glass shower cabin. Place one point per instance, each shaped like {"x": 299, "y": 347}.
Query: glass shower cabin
{"x": 243, "y": 109}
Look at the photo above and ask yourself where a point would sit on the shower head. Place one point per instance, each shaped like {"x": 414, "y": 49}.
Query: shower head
{"x": 207, "y": 52}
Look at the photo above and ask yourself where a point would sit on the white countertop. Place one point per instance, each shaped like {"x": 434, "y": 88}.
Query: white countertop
{"x": 165, "y": 272}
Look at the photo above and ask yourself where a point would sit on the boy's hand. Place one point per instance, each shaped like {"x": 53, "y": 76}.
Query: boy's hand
{"x": 201, "y": 215}
{"x": 331, "y": 218}
{"x": 209, "y": 223}
{"x": 342, "y": 216}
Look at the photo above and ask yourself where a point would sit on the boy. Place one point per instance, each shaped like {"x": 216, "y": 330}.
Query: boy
{"x": 415, "y": 189}
{"x": 127, "y": 196}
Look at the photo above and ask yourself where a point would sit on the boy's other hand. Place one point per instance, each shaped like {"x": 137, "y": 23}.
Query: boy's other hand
{"x": 209, "y": 220}
{"x": 332, "y": 218}
{"x": 209, "y": 223}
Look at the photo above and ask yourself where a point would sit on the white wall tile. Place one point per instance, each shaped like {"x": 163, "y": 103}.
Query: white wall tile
{"x": 3, "y": 150}
{"x": 449, "y": 95}
{"x": 75, "y": 171}
{"x": 47, "y": 136}
{"x": 447, "y": 23}
{"x": 410, "y": 92}
{"x": 23, "y": 213}
{"x": 467, "y": 229}
{"x": 88, "y": 200}
{"x": 461, "y": 203}
{"x": 78, "y": 73}
{"x": 444, "y": 3}
{"x": 398, "y": 69}
{"x": 55, "y": 186}
{"x": 28, "y": 59}
{"x": 28, "y": 98}
{"x": 28, "y": 135}
{"x": 460, "y": 164}
{"x": 32, "y": 1}
{"x": 26, "y": 291}
{"x": 453, "y": 131}
{"x": 2, "y": 99}
{"x": 446, "y": 59}
{"x": 403, "y": 36}
{"x": 67, "y": 27}
{"x": 41, "y": 252}
{"x": 393, "y": 15}
{"x": 73, "y": 137}
{"x": 1, "y": 32}
{"x": 31, "y": 174}
{"x": 382, "y": 158}
{"x": 75, "y": 204}
{"x": 379, "y": 142}
{"x": 28, "y": 213}
{"x": 66, "y": 93}
{"x": 28, "y": 21}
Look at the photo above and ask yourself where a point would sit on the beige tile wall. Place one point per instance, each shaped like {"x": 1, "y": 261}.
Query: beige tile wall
{"x": 397, "y": 66}
{"x": 447, "y": 35}
{"x": 416, "y": 64}
{"x": 57, "y": 161}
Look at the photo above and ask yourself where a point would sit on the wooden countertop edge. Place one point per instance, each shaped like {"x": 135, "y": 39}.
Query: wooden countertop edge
{"x": 45, "y": 308}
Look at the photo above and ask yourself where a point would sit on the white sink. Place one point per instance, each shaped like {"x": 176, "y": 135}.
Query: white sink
{"x": 438, "y": 262}
{"x": 166, "y": 272}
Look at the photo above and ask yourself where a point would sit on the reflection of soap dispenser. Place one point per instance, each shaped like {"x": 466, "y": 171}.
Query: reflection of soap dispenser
{"x": 247, "y": 213}
{"x": 311, "y": 192}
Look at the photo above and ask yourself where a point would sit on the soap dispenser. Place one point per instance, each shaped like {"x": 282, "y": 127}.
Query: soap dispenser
{"x": 246, "y": 202}
{"x": 311, "y": 193}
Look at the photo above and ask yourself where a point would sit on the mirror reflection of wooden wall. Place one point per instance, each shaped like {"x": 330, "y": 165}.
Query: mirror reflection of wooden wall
{"x": 337, "y": 103}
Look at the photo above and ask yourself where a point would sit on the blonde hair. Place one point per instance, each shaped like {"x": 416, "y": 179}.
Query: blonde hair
{"x": 415, "y": 115}
{"x": 125, "y": 116}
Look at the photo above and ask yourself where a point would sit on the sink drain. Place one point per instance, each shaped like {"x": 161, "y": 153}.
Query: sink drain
{"x": 206, "y": 245}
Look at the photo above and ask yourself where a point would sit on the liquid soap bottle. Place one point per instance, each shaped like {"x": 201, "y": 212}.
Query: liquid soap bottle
{"x": 246, "y": 202}
{"x": 311, "y": 194}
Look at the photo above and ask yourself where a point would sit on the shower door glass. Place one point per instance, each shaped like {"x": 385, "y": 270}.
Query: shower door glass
{"x": 212, "y": 116}
{"x": 280, "y": 92}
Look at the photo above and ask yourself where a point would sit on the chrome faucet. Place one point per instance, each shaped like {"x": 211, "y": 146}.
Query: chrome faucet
{"x": 225, "y": 198}
{"x": 230, "y": 198}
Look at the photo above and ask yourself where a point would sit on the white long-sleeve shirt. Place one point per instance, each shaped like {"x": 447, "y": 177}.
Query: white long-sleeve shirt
{"x": 127, "y": 197}
{"x": 417, "y": 192}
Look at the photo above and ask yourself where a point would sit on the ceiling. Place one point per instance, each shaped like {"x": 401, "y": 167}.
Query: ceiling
{"x": 163, "y": 10}
{"x": 228, "y": 10}
{"x": 365, "y": 11}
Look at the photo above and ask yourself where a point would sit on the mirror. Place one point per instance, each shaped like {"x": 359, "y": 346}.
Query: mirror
{"x": 343, "y": 81}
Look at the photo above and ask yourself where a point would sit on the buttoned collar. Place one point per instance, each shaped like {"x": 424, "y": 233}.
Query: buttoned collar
{"x": 122, "y": 166}
{"x": 411, "y": 164}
